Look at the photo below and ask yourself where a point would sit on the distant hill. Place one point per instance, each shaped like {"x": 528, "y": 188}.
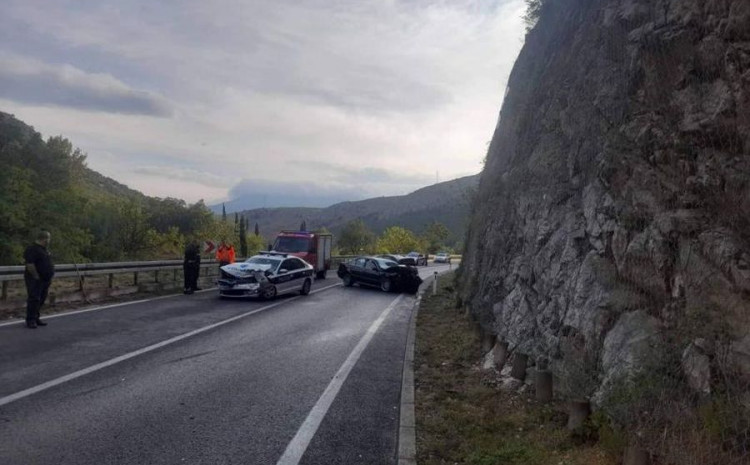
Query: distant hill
{"x": 15, "y": 131}
{"x": 446, "y": 202}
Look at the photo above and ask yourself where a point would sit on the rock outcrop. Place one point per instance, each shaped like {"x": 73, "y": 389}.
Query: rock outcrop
{"x": 613, "y": 212}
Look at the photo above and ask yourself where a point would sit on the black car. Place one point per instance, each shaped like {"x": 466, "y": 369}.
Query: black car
{"x": 400, "y": 259}
{"x": 379, "y": 272}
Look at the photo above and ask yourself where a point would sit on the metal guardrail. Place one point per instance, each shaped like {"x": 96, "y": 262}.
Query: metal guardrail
{"x": 15, "y": 273}
{"x": 81, "y": 271}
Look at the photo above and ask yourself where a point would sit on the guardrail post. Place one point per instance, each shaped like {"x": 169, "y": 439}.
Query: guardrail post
{"x": 80, "y": 283}
{"x": 543, "y": 386}
{"x": 434, "y": 284}
{"x": 578, "y": 412}
{"x": 175, "y": 275}
{"x": 156, "y": 276}
{"x": 519, "y": 366}
{"x": 135, "y": 278}
{"x": 5, "y": 290}
{"x": 111, "y": 280}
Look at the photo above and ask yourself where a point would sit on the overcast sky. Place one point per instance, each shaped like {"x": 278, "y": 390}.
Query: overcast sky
{"x": 212, "y": 99}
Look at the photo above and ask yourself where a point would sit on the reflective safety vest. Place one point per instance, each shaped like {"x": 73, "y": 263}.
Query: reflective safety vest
{"x": 225, "y": 254}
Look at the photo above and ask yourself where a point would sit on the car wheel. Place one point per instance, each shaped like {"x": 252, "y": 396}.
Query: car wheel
{"x": 269, "y": 293}
{"x": 348, "y": 281}
{"x": 386, "y": 285}
{"x": 305, "y": 287}
{"x": 321, "y": 274}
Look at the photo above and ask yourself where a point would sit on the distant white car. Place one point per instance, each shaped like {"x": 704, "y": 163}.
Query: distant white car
{"x": 266, "y": 275}
{"x": 442, "y": 257}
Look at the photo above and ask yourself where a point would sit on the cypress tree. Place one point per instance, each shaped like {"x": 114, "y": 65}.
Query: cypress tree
{"x": 243, "y": 238}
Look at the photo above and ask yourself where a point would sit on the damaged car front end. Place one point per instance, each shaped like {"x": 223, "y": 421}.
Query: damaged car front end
{"x": 245, "y": 280}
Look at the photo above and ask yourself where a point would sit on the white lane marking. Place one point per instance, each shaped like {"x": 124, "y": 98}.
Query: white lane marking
{"x": 300, "y": 442}
{"x": 77, "y": 374}
{"x": 104, "y": 307}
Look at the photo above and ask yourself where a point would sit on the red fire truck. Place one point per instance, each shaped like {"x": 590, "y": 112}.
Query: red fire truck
{"x": 314, "y": 248}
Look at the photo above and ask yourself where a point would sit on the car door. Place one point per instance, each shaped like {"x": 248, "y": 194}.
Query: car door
{"x": 371, "y": 273}
{"x": 298, "y": 275}
{"x": 357, "y": 269}
{"x": 285, "y": 277}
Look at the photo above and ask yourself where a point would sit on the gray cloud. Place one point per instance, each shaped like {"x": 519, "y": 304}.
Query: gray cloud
{"x": 66, "y": 86}
{"x": 182, "y": 174}
{"x": 367, "y": 174}
{"x": 259, "y": 193}
{"x": 385, "y": 92}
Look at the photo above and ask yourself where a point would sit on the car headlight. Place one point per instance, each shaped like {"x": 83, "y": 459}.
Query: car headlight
{"x": 248, "y": 286}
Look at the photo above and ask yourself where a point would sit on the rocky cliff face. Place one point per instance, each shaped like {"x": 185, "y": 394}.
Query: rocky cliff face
{"x": 613, "y": 213}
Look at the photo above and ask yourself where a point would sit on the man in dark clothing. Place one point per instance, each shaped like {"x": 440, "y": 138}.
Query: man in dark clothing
{"x": 38, "y": 276}
{"x": 191, "y": 267}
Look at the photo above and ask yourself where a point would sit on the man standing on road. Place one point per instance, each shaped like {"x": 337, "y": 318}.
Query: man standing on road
{"x": 191, "y": 267}
{"x": 38, "y": 276}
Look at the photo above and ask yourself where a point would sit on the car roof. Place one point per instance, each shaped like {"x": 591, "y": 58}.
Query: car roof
{"x": 375, "y": 257}
{"x": 274, "y": 257}
{"x": 384, "y": 261}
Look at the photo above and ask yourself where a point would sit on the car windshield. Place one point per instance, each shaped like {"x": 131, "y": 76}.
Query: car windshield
{"x": 385, "y": 263}
{"x": 273, "y": 263}
{"x": 292, "y": 244}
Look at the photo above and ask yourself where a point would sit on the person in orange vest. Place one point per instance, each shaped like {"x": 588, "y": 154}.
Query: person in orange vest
{"x": 225, "y": 254}
{"x": 224, "y": 257}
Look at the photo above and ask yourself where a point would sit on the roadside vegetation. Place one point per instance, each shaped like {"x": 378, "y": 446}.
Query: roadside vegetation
{"x": 464, "y": 418}
{"x": 356, "y": 239}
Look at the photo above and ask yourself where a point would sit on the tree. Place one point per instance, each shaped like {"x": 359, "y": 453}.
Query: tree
{"x": 355, "y": 239}
{"x": 257, "y": 230}
{"x": 255, "y": 244}
{"x": 134, "y": 235}
{"x": 434, "y": 236}
{"x": 398, "y": 240}
{"x": 243, "y": 238}
{"x": 223, "y": 212}
{"x": 303, "y": 226}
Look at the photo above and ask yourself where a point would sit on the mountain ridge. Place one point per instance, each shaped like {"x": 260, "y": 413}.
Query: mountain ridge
{"x": 446, "y": 202}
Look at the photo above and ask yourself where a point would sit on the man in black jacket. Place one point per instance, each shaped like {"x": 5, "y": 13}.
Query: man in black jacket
{"x": 38, "y": 276}
{"x": 191, "y": 267}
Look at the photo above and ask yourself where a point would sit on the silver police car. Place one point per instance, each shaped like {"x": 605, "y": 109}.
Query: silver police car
{"x": 266, "y": 275}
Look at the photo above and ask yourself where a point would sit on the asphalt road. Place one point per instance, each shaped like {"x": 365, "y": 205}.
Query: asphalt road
{"x": 198, "y": 380}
